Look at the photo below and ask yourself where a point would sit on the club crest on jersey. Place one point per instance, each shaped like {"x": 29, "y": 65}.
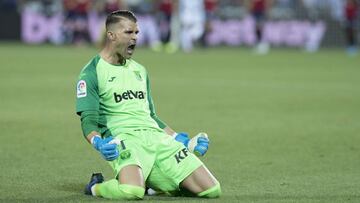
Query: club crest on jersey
{"x": 125, "y": 154}
{"x": 138, "y": 75}
{"x": 81, "y": 89}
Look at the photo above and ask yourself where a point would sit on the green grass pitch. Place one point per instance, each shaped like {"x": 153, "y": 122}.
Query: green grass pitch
{"x": 284, "y": 127}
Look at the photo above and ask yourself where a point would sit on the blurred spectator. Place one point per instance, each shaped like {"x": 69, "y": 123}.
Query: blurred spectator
{"x": 113, "y": 5}
{"x": 337, "y": 9}
{"x": 192, "y": 21}
{"x": 351, "y": 13}
{"x": 231, "y": 9}
{"x": 51, "y": 8}
{"x": 103, "y": 8}
{"x": 76, "y": 21}
{"x": 259, "y": 11}
{"x": 46, "y": 7}
{"x": 282, "y": 10}
{"x": 315, "y": 9}
{"x": 170, "y": 24}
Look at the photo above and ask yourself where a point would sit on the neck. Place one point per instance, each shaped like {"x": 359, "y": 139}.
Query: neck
{"x": 112, "y": 57}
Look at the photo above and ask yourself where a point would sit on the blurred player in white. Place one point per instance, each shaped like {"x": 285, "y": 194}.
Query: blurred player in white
{"x": 192, "y": 19}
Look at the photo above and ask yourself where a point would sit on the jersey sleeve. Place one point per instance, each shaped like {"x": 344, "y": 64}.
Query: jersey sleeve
{"x": 153, "y": 115}
{"x": 87, "y": 90}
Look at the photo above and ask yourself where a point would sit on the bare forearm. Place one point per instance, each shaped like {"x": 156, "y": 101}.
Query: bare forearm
{"x": 169, "y": 131}
{"x": 91, "y": 135}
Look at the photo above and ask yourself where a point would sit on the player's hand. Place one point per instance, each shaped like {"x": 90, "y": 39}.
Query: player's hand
{"x": 199, "y": 144}
{"x": 109, "y": 151}
{"x": 202, "y": 146}
{"x": 183, "y": 138}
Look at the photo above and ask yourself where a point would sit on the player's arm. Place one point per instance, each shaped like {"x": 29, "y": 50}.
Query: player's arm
{"x": 87, "y": 107}
{"x": 169, "y": 131}
{"x": 91, "y": 131}
{"x": 90, "y": 124}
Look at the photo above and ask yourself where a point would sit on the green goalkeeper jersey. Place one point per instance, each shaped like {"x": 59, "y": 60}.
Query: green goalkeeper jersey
{"x": 120, "y": 93}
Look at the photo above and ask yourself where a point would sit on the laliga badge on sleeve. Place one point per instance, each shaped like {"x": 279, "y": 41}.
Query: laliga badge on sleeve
{"x": 81, "y": 89}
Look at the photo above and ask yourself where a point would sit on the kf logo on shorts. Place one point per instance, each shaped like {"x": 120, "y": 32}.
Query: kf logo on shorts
{"x": 181, "y": 155}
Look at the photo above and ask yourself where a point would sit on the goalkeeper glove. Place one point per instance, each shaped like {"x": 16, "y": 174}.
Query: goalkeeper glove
{"x": 108, "y": 150}
{"x": 197, "y": 145}
{"x": 183, "y": 138}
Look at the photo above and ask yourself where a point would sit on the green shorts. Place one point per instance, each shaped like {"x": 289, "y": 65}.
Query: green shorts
{"x": 165, "y": 163}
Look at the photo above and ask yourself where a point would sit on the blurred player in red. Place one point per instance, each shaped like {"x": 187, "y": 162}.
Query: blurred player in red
{"x": 258, "y": 9}
{"x": 351, "y": 12}
{"x": 76, "y": 26}
{"x": 210, "y": 9}
{"x": 164, "y": 17}
{"x": 169, "y": 25}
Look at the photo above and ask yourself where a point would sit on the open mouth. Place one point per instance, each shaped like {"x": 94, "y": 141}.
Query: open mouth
{"x": 131, "y": 48}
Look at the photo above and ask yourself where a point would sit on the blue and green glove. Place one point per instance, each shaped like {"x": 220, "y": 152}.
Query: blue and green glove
{"x": 108, "y": 150}
{"x": 198, "y": 145}
{"x": 183, "y": 138}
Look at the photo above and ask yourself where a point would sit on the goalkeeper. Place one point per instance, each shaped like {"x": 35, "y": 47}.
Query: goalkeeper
{"x": 118, "y": 118}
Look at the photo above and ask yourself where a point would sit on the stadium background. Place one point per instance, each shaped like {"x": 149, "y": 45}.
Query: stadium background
{"x": 284, "y": 127}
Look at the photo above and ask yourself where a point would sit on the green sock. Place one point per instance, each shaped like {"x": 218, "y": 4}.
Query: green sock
{"x": 113, "y": 190}
{"x": 213, "y": 192}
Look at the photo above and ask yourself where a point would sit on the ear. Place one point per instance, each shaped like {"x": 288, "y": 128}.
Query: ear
{"x": 111, "y": 36}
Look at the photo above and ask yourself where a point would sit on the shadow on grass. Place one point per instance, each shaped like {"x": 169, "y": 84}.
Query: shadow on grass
{"x": 70, "y": 198}
{"x": 295, "y": 198}
{"x": 80, "y": 197}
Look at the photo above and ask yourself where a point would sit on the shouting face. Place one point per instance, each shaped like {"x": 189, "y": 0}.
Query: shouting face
{"x": 124, "y": 36}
